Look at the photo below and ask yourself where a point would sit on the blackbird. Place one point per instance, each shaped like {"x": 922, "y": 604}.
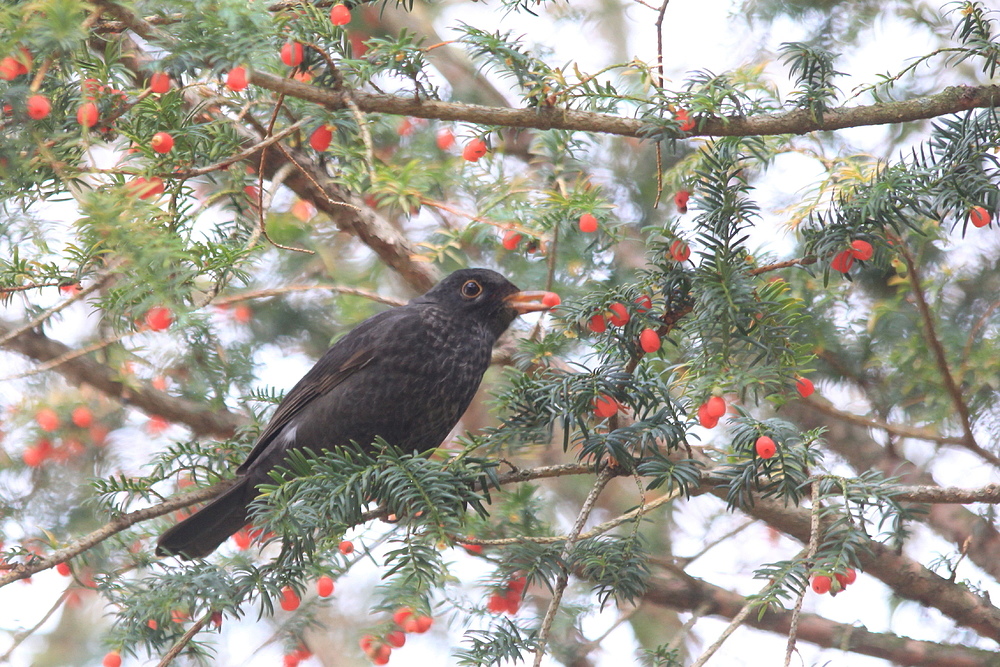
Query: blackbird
{"x": 406, "y": 374}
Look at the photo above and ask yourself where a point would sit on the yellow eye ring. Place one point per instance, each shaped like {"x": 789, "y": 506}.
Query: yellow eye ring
{"x": 471, "y": 289}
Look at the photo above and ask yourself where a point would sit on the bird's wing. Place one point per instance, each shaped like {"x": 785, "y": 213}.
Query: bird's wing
{"x": 350, "y": 354}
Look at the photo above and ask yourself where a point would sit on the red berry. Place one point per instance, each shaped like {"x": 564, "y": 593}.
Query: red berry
{"x": 400, "y": 615}
{"x": 518, "y": 584}
{"x": 237, "y": 78}
{"x": 588, "y": 223}
{"x": 159, "y": 318}
{"x": 598, "y": 324}
{"x": 243, "y": 313}
{"x": 706, "y": 420}
{"x": 649, "y": 340}
{"x": 82, "y": 416}
{"x": 86, "y": 115}
{"x": 679, "y": 251}
{"x": 510, "y": 239}
{"x": 63, "y": 569}
{"x": 805, "y": 387}
{"x": 291, "y": 54}
{"x": 38, "y": 107}
{"x": 842, "y": 261}
{"x": 497, "y": 604}
{"x": 513, "y": 601}
{"x": 340, "y": 15}
{"x": 551, "y": 300}
{"x": 324, "y": 586}
{"x": 112, "y": 659}
{"x": 681, "y": 200}
{"x": 290, "y": 660}
{"x": 144, "y": 189}
{"x": 346, "y": 547}
{"x": 9, "y": 69}
{"x": 686, "y": 122}
{"x": 643, "y": 303}
{"x": 242, "y": 539}
{"x": 289, "y": 599}
{"x": 162, "y": 142}
{"x": 395, "y": 639}
{"x": 321, "y": 137}
{"x": 619, "y": 314}
{"x": 47, "y": 419}
{"x": 410, "y": 624}
{"x": 159, "y": 82}
{"x": 474, "y": 150}
{"x": 861, "y": 250}
{"x": 380, "y": 655}
{"x": 444, "y": 139}
{"x": 716, "y": 407}
{"x": 152, "y": 624}
{"x": 475, "y": 549}
{"x": 424, "y": 623}
{"x": 847, "y": 578}
{"x": 821, "y": 584}
{"x": 765, "y": 447}
{"x": 365, "y": 642}
{"x": 605, "y": 406}
{"x": 979, "y": 217}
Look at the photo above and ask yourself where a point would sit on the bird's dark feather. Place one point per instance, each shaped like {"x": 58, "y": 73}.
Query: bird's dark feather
{"x": 406, "y": 375}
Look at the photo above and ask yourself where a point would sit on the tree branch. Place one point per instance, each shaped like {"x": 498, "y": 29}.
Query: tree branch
{"x": 686, "y": 593}
{"x": 203, "y": 421}
{"x": 951, "y": 100}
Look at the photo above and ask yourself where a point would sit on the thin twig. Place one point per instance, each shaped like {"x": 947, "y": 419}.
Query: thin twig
{"x": 366, "y": 137}
{"x": 21, "y": 636}
{"x": 278, "y": 291}
{"x": 803, "y": 261}
{"x": 175, "y": 650}
{"x": 942, "y": 360}
{"x": 102, "y": 278}
{"x": 684, "y": 561}
{"x": 730, "y": 629}
{"x": 901, "y": 430}
{"x": 563, "y": 579}
{"x": 814, "y": 516}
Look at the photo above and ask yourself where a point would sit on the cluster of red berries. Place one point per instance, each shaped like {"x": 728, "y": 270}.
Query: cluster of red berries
{"x": 860, "y": 250}
{"x": 822, "y": 583}
{"x": 507, "y": 599}
{"x": 407, "y": 621}
{"x": 49, "y": 421}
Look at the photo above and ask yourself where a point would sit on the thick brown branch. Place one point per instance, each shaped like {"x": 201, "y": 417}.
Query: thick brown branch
{"x": 950, "y": 100}
{"x": 200, "y": 419}
{"x": 688, "y": 593}
{"x": 908, "y": 578}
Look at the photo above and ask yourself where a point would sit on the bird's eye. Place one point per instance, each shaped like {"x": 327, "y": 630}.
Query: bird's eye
{"x": 471, "y": 289}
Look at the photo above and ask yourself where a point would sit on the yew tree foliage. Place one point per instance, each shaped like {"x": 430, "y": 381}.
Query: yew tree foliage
{"x": 266, "y": 243}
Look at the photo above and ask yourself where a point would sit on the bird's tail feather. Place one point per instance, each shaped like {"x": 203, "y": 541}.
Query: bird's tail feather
{"x": 201, "y": 533}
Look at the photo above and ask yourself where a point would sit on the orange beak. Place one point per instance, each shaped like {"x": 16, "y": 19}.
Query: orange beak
{"x": 527, "y": 302}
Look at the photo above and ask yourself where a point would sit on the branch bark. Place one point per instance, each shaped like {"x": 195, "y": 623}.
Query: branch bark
{"x": 951, "y": 100}
{"x": 34, "y": 344}
{"x": 687, "y": 593}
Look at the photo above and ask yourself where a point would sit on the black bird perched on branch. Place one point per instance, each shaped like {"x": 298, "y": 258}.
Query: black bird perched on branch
{"x": 406, "y": 374}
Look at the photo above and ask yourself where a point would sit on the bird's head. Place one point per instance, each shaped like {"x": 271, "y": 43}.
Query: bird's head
{"x": 484, "y": 295}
